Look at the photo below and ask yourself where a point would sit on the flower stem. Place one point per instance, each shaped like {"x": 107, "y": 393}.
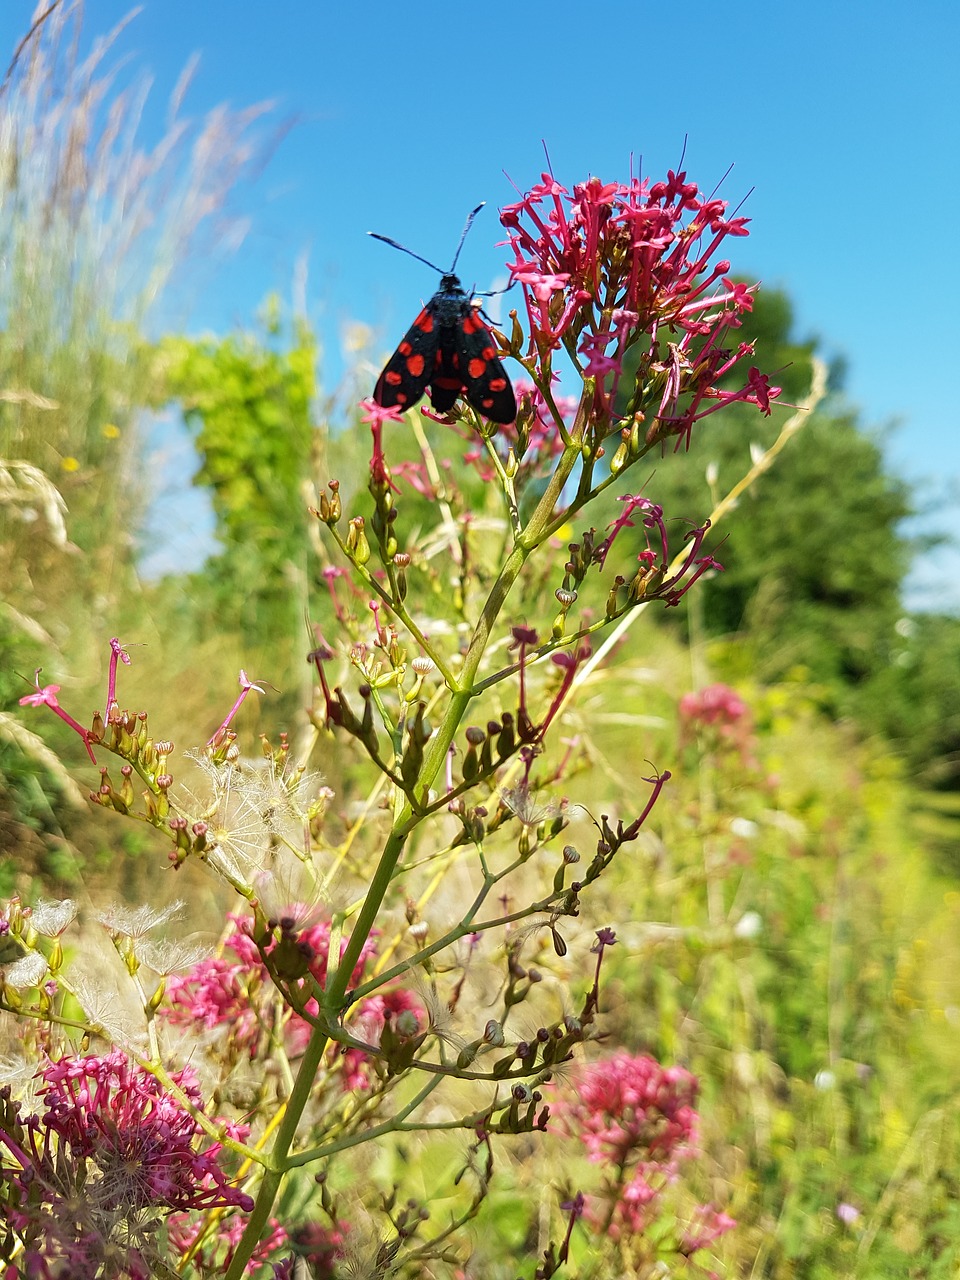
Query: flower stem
{"x": 280, "y": 1154}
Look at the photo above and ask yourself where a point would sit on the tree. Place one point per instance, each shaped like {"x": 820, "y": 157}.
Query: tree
{"x": 813, "y": 555}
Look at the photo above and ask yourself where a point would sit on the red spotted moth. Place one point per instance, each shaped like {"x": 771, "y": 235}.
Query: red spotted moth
{"x": 449, "y": 349}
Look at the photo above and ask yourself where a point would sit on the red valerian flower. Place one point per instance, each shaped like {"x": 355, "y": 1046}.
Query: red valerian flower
{"x": 719, "y": 716}
{"x": 46, "y": 696}
{"x": 146, "y": 1147}
{"x": 636, "y": 1118}
{"x": 706, "y": 1225}
{"x": 612, "y": 266}
{"x": 628, "y": 1106}
{"x": 111, "y": 1155}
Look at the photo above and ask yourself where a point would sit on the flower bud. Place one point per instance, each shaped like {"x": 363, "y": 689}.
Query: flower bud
{"x": 356, "y": 541}
{"x": 408, "y": 1024}
{"x": 493, "y": 1034}
{"x": 468, "y": 1053}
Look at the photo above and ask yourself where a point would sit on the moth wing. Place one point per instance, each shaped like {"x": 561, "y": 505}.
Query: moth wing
{"x": 485, "y": 380}
{"x": 406, "y": 374}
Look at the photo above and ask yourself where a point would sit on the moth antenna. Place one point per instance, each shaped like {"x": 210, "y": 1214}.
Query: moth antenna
{"x": 403, "y": 249}
{"x": 432, "y": 265}
{"x": 463, "y": 236}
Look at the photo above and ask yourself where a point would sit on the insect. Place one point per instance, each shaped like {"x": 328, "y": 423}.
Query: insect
{"x": 448, "y": 348}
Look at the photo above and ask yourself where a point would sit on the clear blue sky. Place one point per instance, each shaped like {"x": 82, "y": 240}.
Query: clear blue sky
{"x": 844, "y": 119}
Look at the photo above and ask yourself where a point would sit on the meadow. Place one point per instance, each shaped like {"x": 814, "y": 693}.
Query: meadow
{"x": 524, "y": 848}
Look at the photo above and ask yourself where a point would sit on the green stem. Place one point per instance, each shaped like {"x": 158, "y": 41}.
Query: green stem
{"x": 279, "y": 1154}
{"x": 393, "y": 1125}
{"x": 405, "y": 820}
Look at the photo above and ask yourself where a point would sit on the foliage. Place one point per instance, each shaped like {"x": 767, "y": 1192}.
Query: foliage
{"x": 791, "y": 948}
{"x": 810, "y": 585}
{"x": 251, "y": 406}
{"x": 93, "y": 226}
{"x": 915, "y": 702}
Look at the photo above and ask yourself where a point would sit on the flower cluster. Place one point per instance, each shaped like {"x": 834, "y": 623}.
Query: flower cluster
{"x": 628, "y": 1106}
{"x": 220, "y": 994}
{"x": 212, "y": 1245}
{"x": 637, "y": 1118}
{"x": 110, "y": 1155}
{"x": 721, "y": 715}
{"x": 718, "y": 706}
{"x": 614, "y": 266}
{"x": 707, "y": 1224}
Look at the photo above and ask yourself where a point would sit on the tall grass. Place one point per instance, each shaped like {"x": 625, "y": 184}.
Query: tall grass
{"x": 95, "y": 224}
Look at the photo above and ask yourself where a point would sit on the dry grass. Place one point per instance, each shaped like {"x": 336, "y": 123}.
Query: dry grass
{"x": 95, "y": 225}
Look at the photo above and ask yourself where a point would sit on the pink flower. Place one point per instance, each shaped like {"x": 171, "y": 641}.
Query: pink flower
{"x": 613, "y": 265}
{"x": 46, "y": 696}
{"x": 721, "y": 717}
{"x": 224, "y": 993}
{"x": 718, "y": 704}
{"x": 246, "y": 685}
{"x": 214, "y": 993}
{"x": 145, "y": 1146}
{"x": 215, "y": 1248}
{"x": 706, "y": 1225}
{"x": 91, "y": 1177}
{"x": 628, "y": 1107}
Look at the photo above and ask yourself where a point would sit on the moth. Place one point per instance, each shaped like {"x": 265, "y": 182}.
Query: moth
{"x": 449, "y": 349}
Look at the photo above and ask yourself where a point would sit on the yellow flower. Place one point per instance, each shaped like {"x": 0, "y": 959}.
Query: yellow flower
{"x": 69, "y": 464}
{"x": 111, "y": 431}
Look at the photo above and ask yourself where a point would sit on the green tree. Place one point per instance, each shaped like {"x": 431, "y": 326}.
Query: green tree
{"x": 813, "y": 555}
{"x": 249, "y": 401}
{"x": 916, "y": 700}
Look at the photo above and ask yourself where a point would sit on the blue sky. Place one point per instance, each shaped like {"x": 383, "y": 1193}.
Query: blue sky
{"x": 843, "y": 120}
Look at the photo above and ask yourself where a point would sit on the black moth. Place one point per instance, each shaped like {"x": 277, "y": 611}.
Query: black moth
{"x": 448, "y": 348}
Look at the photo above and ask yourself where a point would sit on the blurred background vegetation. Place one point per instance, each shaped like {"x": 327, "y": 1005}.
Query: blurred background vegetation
{"x": 793, "y": 931}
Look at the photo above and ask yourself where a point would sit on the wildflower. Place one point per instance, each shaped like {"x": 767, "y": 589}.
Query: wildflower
{"x": 219, "y": 993}
{"x": 102, "y": 1165}
{"x": 212, "y": 1243}
{"x": 706, "y": 1225}
{"x": 716, "y": 705}
{"x": 215, "y": 993}
{"x": 629, "y": 1106}
{"x": 46, "y": 696}
{"x": 142, "y": 1141}
{"x": 614, "y": 266}
{"x": 246, "y": 685}
{"x": 568, "y": 662}
{"x": 375, "y": 415}
{"x": 721, "y": 717}
{"x": 118, "y": 653}
{"x": 636, "y": 1118}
